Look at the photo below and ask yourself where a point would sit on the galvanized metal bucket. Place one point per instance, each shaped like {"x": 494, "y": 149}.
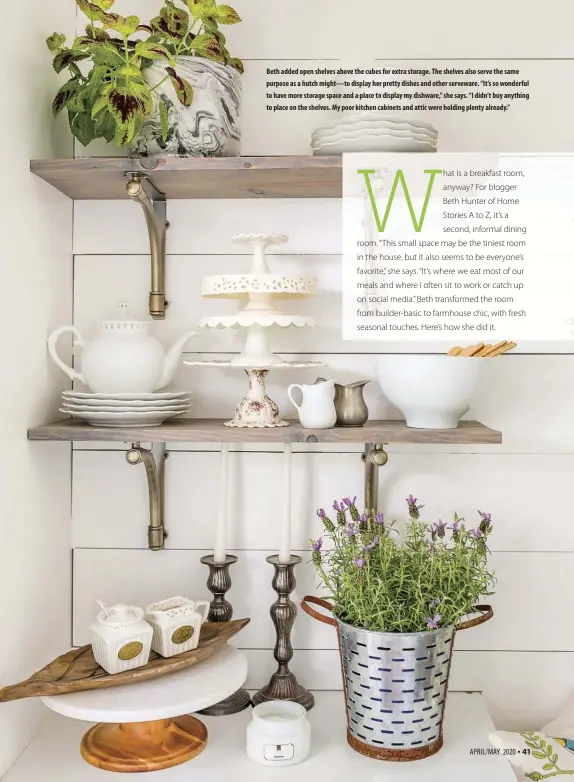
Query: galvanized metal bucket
{"x": 395, "y": 685}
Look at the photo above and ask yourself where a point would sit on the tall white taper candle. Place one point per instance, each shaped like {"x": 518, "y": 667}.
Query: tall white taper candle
{"x": 220, "y": 553}
{"x": 285, "y": 539}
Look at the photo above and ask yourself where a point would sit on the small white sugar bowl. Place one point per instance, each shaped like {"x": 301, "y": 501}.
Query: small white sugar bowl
{"x": 121, "y": 639}
{"x": 176, "y": 624}
{"x": 279, "y": 734}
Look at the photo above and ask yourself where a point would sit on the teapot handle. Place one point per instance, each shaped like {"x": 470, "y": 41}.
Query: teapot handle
{"x": 53, "y": 339}
{"x": 290, "y": 394}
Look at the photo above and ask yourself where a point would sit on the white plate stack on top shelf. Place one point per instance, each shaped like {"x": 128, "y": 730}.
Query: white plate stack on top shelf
{"x": 365, "y": 133}
{"x": 125, "y": 410}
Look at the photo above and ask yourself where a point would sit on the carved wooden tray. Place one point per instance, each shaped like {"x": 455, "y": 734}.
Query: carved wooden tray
{"x": 77, "y": 670}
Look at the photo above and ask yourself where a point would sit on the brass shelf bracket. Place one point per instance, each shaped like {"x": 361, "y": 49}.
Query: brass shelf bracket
{"x": 374, "y": 457}
{"x": 154, "y": 463}
{"x": 138, "y": 188}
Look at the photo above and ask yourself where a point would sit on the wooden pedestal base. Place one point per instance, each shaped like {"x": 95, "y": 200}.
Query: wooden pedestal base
{"x": 144, "y": 746}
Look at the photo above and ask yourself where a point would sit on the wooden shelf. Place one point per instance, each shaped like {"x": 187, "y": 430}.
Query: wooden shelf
{"x": 212, "y": 430}
{"x": 289, "y": 176}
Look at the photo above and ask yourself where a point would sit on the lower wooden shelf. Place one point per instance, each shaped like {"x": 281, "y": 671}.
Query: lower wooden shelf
{"x": 53, "y": 756}
{"x": 212, "y": 430}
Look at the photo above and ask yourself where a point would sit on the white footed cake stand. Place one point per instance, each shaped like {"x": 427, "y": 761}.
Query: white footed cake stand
{"x": 146, "y": 726}
{"x": 259, "y": 289}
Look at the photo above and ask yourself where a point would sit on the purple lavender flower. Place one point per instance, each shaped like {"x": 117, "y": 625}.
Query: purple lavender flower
{"x": 317, "y": 544}
{"x": 433, "y": 624}
{"x": 348, "y": 502}
{"x": 476, "y": 534}
{"x": 350, "y": 530}
{"x": 439, "y": 528}
{"x": 413, "y": 507}
{"x": 363, "y": 518}
{"x": 360, "y": 563}
{"x": 485, "y": 525}
{"x": 455, "y": 527}
{"x": 373, "y": 544}
{"x": 380, "y": 518}
{"x": 341, "y": 512}
{"x": 321, "y": 513}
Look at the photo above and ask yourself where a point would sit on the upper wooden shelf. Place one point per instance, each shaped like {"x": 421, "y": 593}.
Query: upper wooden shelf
{"x": 212, "y": 430}
{"x": 289, "y": 176}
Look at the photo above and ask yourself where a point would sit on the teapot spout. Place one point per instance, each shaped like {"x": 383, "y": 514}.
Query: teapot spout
{"x": 172, "y": 359}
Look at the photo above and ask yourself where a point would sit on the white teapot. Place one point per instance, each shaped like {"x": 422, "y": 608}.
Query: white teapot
{"x": 123, "y": 358}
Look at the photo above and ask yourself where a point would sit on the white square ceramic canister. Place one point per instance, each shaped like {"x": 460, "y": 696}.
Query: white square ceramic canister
{"x": 176, "y": 624}
{"x": 121, "y": 639}
{"x": 279, "y": 734}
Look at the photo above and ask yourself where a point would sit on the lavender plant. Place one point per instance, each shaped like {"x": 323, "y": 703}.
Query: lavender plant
{"x": 431, "y": 578}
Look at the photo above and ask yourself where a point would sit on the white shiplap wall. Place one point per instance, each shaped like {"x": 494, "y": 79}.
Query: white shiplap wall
{"x": 524, "y": 658}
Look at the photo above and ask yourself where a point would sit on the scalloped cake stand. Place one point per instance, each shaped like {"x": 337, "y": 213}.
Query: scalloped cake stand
{"x": 258, "y": 288}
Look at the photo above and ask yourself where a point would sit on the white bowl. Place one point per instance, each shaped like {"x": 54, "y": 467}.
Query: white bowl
{"x": 432, "y": 392}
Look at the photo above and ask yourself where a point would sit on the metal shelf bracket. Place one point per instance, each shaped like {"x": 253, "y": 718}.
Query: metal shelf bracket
{"x": 139, "y": 189}
{"x": 374, "y": 457}
{"x": 154, "y": 463}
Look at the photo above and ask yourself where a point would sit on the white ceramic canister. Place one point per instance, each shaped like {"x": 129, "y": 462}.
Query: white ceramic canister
{"x": 279, "y": 734}
{"x": 121, "y": 639}
{"x": 176, "y": 624}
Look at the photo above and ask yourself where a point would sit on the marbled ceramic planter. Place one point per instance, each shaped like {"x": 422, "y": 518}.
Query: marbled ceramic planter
{"x": 207, "y": 128}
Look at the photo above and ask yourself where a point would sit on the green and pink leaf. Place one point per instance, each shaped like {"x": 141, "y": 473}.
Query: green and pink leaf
{"x": 183, "y": 88}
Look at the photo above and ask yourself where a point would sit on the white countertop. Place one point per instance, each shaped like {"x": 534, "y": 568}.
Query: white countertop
{"x": 54, "y": 755}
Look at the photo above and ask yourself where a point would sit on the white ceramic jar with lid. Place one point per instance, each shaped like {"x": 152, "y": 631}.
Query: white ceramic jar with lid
{"x": 121, "y": 639}
{"x": 279, "y": 734}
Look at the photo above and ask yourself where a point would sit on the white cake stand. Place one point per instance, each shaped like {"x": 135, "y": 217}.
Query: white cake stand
{"x": 258, "y": 289}
{"x": 140, "y": 726}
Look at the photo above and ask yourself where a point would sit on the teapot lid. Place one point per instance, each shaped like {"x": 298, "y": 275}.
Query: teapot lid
{"x": 124, "y": 321}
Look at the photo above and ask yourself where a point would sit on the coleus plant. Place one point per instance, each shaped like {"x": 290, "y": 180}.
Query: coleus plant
{"x": 112, "y": 98}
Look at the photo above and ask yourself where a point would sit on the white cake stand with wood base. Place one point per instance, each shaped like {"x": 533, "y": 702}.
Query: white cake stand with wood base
{"x": 146, "y": 726}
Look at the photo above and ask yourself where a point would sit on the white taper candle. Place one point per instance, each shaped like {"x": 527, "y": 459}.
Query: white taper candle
{"x": 285, "y": 539}
{"x": 220, "y": 552}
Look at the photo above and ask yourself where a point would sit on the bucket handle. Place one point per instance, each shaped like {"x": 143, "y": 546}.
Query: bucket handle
{"x": 319, "y": 601}
{"x": 485, "y": 612}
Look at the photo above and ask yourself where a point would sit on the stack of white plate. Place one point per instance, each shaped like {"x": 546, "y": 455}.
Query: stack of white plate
{"x": 374, "y": 134}
{"x": 122, "y": 410}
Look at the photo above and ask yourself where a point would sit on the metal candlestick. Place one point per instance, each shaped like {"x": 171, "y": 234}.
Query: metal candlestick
{"x": 221, "y": 610}
{"x": 283, "y": 685}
